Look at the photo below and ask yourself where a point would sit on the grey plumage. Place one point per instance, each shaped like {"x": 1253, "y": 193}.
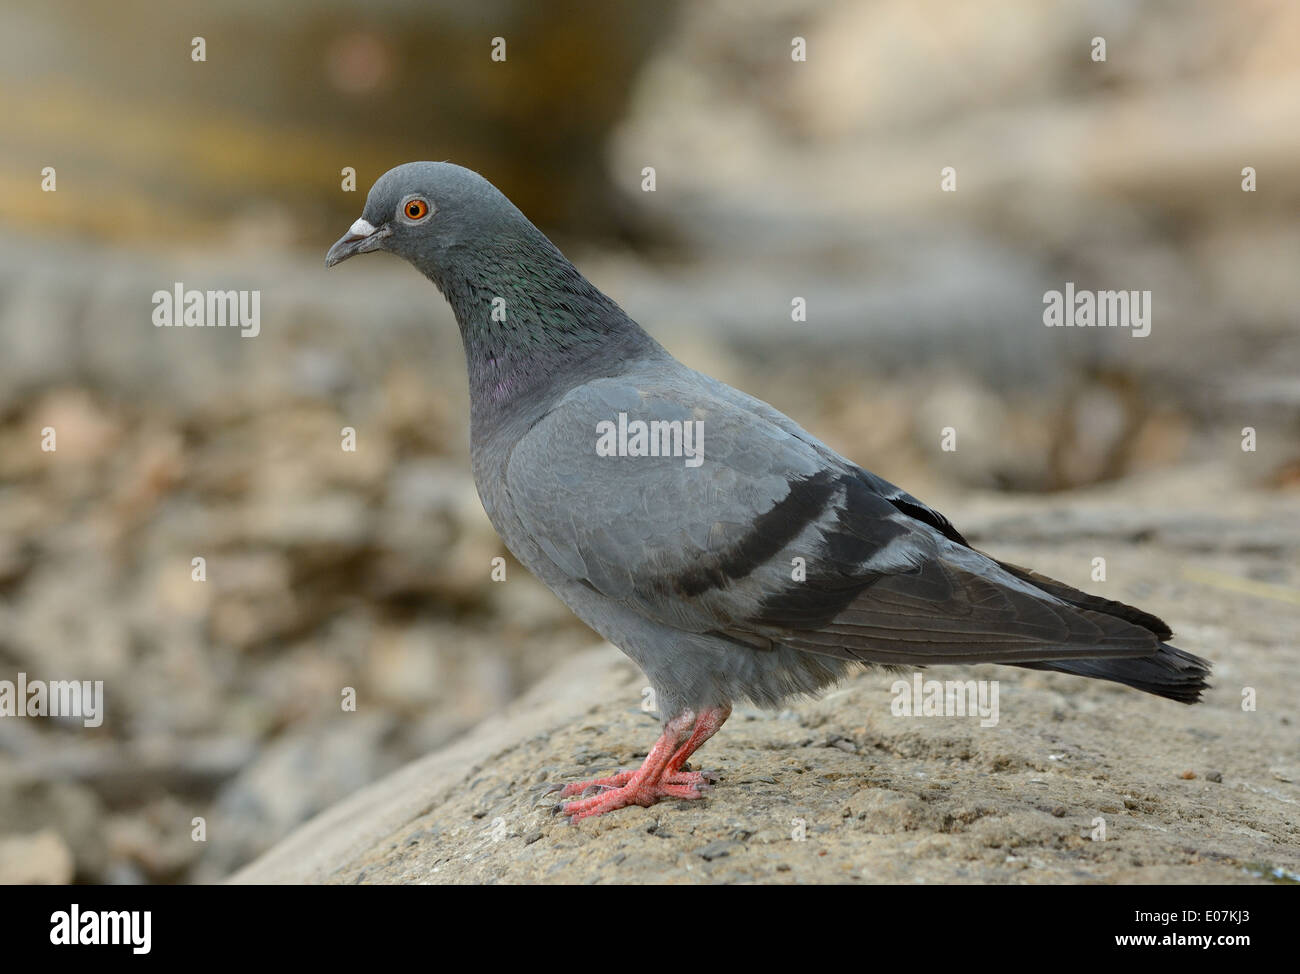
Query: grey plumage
{"x": 690, "y": 569}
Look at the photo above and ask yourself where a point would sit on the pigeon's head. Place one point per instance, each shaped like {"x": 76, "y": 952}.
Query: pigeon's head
{"x": 425, "y": 212}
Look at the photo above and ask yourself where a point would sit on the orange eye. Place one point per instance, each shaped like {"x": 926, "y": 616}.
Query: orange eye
{"x": 416, "y": 209}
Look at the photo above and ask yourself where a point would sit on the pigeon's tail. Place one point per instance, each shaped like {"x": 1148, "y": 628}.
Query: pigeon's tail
{"x": 1170, "y": 672}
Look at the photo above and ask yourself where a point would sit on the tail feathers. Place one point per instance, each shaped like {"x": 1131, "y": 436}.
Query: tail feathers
{"x": 1170, "y": 672}
{"x": 1095, "y": 602}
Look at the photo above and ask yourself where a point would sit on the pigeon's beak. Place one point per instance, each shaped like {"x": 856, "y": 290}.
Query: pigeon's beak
{"x": 361, "y": 238}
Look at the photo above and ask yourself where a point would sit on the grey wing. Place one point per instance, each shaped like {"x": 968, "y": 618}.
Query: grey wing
{"x": 775, "y": 539}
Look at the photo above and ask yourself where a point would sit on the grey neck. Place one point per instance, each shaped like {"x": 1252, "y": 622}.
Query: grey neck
{"x": 533, "y": 327}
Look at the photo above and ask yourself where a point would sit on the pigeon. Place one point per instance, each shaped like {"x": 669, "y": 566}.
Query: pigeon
{"x": 729, "y": 553}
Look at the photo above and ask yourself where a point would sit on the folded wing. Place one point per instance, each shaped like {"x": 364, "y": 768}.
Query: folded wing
{"x": 774, "y": 538}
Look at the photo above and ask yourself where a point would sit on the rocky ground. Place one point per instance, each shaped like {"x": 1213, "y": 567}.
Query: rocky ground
{"x": 1077, "y": 782}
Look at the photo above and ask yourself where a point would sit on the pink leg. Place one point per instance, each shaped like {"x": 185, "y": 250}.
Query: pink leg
{"x": 705, "y": 727}
{"x": 660, "y": 776}
{"x": 708, "y": 724}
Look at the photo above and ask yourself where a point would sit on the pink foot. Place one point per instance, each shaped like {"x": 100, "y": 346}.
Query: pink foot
{"x": 660, "y": 776}
{"x": 699, "y": 779}
{"x": 631, "y": 794}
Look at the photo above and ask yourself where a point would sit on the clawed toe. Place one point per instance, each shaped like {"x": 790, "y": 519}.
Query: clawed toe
{"x": 674, "y": 784}
{"x": 660, "y": 776}
{"x": 585, "y": 787}
{"x": 642, "y": 793}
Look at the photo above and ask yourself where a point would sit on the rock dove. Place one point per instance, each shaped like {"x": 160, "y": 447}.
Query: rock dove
{"x": 728, "y": 552}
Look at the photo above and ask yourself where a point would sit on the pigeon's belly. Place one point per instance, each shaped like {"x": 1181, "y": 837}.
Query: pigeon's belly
{"x": 692, "y": 670}
{"x": 606, "y": 617}
{"x": 640, "y": 638}
{"x": 588, "y": 605}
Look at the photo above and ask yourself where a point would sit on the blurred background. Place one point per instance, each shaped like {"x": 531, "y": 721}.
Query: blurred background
{"x": 774, "y": 179}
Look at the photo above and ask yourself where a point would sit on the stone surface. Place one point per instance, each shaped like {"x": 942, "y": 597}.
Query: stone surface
{"x": 842, "y": 790}
{"x": 40, "y": 858}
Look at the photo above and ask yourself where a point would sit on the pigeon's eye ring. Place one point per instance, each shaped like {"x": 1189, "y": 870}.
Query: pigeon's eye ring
{"x": 415, "y": 209}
